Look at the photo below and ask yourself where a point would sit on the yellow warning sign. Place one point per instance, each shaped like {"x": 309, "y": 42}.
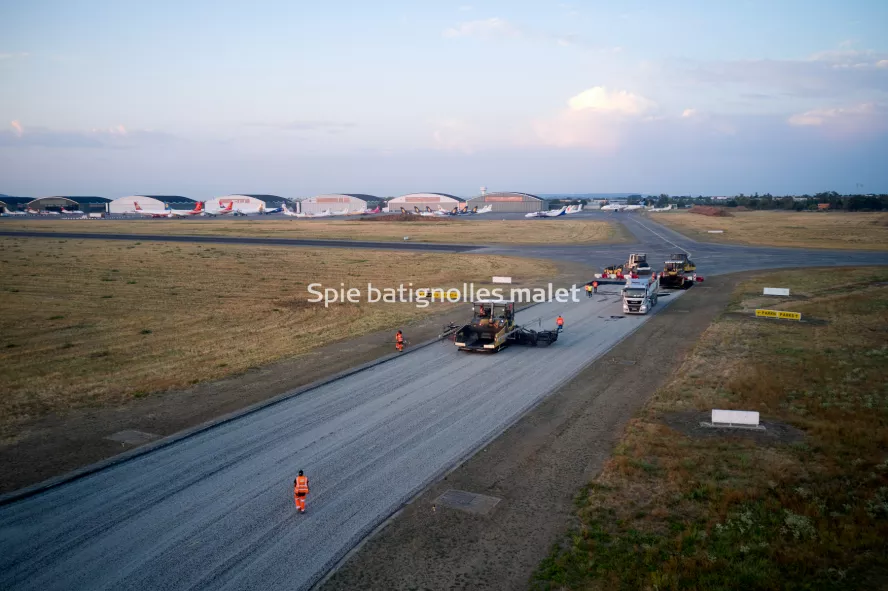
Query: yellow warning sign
{"x": 452, "y": 294}
{"x": 779, "y": 314}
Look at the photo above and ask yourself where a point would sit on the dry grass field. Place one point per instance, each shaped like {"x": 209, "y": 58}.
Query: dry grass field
{"x": 838, "y": 230}
{"x": 488, "y": 231}
{"x": 805, "y": 507}
{"x": 99, "y": 322}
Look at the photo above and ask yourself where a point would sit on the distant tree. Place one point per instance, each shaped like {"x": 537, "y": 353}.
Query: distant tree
{"x": 633, "y": 200}
{"x": 663, "y": 200}
{"x": 731, "y": 203}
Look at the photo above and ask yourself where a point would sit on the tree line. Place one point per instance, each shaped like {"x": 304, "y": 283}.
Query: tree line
{"x": 768, "y": 201}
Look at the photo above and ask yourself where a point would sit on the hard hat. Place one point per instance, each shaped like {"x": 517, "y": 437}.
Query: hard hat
{"x": 300, "y": 472}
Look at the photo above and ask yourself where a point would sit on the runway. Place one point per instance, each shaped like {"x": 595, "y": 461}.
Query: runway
{"x": 215, "y": 511}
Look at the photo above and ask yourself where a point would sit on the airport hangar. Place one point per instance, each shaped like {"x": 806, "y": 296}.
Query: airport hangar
{"x": 9, "y": 203}
{"x": 149, "y": 203}
{"x": 508, "y": 202}
{"x": 422, "y": 200}
{"x": 56, "y": 203}
{"x": 354, "y": 202}
{"x": 246, "y": 203}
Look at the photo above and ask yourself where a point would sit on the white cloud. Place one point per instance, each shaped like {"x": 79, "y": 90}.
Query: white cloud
{"x": 17, "y": 128}
{"x": 688, "y": 113}
{"x": 819, "y": 117}
{"x": 487, "y": 28}
{"x": 882, "y": 64}
{"x": 597, "y": 119}
{"x": 599, "y": 99}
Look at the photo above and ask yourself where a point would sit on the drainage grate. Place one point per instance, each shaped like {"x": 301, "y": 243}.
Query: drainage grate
{"x": 466, "y": 501}
{"x": 132, "y": 437}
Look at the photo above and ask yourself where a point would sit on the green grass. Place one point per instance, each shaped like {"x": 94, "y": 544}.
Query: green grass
{"x": 674, "y": 512}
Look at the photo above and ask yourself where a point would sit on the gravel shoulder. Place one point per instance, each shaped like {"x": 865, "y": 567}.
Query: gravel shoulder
{"x": 535, "y": 468}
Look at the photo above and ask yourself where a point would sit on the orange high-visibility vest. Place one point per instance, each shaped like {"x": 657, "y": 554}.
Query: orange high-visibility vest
{"x": 594, "y": 284}
{"x": 301, "y": 487}
{"x": 399, "y": 338}
{"x": 560, "y": 321}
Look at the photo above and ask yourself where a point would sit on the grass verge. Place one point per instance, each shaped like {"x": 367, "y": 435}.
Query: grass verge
{"x": 487, "y": 231}
{"x": 101, "y": 322}
{"x": 680, "y": 509}
{"x": 837, "y": 230}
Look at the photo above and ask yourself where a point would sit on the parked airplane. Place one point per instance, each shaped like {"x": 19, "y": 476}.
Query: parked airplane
{"x": 222, "y": 210}
{"x": 485, "y": 209}
{"x": 547, "y": 214}
{"x": 198, "y": 210}
{"x": 667, "y": 208}
{"x": 620, "y": 207}
{"x": 9, "y": 213}
{"x": 574, "y": 209}
{"x": 71, "y": 212}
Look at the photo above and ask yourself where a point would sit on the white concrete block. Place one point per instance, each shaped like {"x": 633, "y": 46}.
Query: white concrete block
{"x": 735, "y": 417}
{"x": 781, "y": 291}
{"x": 502, "y": 280}
{"x": 716, "y": 231}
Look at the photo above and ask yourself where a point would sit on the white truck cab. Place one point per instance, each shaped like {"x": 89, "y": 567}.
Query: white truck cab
{"x": 640, "y": 294}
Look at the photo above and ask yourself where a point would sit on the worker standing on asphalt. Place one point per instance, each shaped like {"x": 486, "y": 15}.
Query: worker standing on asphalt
{"x": 588, "y": 290}
{"x": 300, "y": 491}
{"x": 560, "y": 322}
{"x": 594, "y": 287}
{"x": 399, "y": 342}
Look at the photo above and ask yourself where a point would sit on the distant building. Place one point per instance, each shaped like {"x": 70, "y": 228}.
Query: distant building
{"x": 58, "y": 202}
{"x": 350, "y": 202}
{"x": 433, "y": 201}
{"x": 10, "y": 203}
{"x": 508, "y": 202}
{"x": 150, "y": 203}
{"x": 822, "y": 206}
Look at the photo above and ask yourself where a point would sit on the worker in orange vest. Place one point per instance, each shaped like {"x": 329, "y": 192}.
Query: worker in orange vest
{"x": 560, "y": 322}
{"x": 399, "y": 342}
{"x": 594, "y": 287}
{"x": 300, "y": 491}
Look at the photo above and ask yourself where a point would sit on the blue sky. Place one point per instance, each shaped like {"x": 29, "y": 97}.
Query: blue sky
{"x": 299, "y": 98}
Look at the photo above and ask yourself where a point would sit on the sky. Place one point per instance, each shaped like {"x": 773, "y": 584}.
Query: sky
{"x": 293, "y": 98}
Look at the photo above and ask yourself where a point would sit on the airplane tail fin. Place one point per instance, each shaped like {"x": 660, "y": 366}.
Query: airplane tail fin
{"x": 403, "y": 210}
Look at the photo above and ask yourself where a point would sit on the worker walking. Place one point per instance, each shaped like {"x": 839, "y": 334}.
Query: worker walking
{"x": 588, "y": 290}
{"x": 399, "y": 342}
{"x": 300, "y": 491}
{"x": 594, "y": 287}
{"x": 560, "y": 322}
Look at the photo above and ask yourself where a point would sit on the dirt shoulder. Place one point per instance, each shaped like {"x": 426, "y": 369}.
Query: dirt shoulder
{"x": 795, "y": 229}
{"x": 63, "y": 441}
{"x": 535, "y": 468}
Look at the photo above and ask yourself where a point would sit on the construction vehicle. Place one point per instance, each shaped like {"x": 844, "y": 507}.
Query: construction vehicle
{"x": 688, "y": 264}
{"x": 678, "y": 273}
{"x": 493, "y": 327}
{"x": 638, "y": 264}
{"x": 640, "y": 294}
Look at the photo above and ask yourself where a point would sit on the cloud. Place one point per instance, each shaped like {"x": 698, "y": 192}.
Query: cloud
{"x": 688, "y": 113}
{"x": 597, "y": 119}
{"x": 331, "y": 127}
{"x": 601, "y": 100}
{"x": 485, "y": 29}
{"x": 862, "y": 113}
{"x": 457, "y": 135}
{"x": 882, "y": 64}
{"x": 116, "y": 137}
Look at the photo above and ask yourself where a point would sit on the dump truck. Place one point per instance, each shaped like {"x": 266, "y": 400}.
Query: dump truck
{"x": 493, "y": 327}
{"x": 640, "y": 294}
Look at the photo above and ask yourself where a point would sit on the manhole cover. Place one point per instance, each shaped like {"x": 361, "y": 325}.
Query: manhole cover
{"x": 132, "y": 437}
{"x": 466, "y": 501}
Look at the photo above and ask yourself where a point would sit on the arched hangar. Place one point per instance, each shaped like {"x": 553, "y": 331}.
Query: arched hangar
{"x": 353, "y": 202}
{"x": 152, "y": 203}
{"x": 508, "y": 202}
{"x": 9, "y": 203}
{"x": 433, "y": 201}
{"x": 61, "y": 203}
